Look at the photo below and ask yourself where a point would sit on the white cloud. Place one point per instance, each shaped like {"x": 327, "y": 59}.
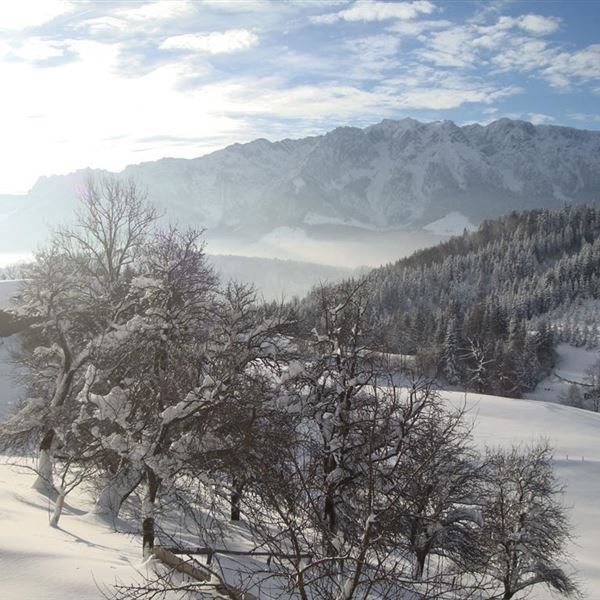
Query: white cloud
{"x": 233, "y": 6}
{"x": 447, "y": 98}
{"x": 450, "y": 48}
{"x": 587, "y": 117}
{"x": 374, "y": 10}
{"x": 157, "y": 10}
{"x": 416, "y": 28}
{"x": 559, "y": 68}
{"x": 524, "y": 55}
{"x": 215, "y": 42}
{"x": 100, "y": 24}
{"x": 87, "y": 105}
{"x": 37, "y": 49}
{"x": 146, "y": 16}
{"x": 369, "y": 57}
{"x": 538, "y": 24}
{"x": 20, "y": 14}
{"x": 510, "y": 43}
{"x": 582, "y": 65}
{"x": 540, "y": 118}
{"x": 346, "y": 102}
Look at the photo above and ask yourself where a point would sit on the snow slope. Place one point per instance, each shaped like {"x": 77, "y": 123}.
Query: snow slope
{"x": 453, "y": 223}
{"x": 67, "y": 564}
{"x": 43, "y": 563}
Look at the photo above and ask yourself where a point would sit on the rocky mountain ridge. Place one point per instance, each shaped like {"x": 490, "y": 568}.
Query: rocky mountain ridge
{"x": 393, "y": 175}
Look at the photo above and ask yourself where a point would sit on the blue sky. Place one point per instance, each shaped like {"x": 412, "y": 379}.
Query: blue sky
{"x": 106, "y": 84}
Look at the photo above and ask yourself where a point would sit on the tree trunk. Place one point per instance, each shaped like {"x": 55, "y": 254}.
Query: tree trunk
{"x": 44, "y": 482}
{"x": 116, "y": 491}
{"x": 329, "y": 508}
{"x": 508, "y": 593}
{"x": 419, "y": 566}
{"x": 149, "y": 511}
{"x": 58, "y": 507}
{"x": 331, "y": 522}
{"x": 147, "y": 536}
{"x": 236, "y": 499}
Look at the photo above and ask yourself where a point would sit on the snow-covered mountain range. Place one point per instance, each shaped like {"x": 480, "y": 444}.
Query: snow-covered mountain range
{"x": 396, "y": 175}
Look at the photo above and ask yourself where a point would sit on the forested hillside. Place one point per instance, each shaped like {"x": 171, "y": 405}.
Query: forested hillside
{"x": 484, "y": 310}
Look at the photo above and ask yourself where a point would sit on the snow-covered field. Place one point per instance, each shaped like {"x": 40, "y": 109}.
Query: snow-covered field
{"x": 69, "y": 563}
{"x": 572, "y": 364}
{"x": 575, "y": 436}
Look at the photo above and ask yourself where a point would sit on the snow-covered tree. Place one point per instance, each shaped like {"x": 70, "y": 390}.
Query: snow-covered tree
{"x": 328, "y": 495}
{"x": 74, "y": 293}
{"x": 451, "y": 366}
{"x": 360, "y": 551}
{"x": 525, "y": 530}
{"x": 152, "y": 362}
{"x": 438, "y": 513}
{"x": 479, "y": 364}
{"x": 184, "y": 378}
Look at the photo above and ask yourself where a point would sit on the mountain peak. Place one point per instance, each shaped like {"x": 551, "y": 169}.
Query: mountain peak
{"x": 395, "y": 124}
